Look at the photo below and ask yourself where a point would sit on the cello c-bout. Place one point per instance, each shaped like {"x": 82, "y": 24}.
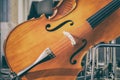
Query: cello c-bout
{"x": 68, "y": 51}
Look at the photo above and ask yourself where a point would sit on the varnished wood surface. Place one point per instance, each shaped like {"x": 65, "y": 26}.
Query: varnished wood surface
{"x": 28, "y": 40}
{"x": 63, "y": 8}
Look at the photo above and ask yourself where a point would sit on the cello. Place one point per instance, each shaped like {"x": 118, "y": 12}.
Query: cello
{"x": 67, "y": 46}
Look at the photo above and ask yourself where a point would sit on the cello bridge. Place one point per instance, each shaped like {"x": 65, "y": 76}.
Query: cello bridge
{"x": 70, "y": 37}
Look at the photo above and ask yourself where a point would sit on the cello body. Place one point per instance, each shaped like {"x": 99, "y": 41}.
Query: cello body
{"x": 29, "y": 39}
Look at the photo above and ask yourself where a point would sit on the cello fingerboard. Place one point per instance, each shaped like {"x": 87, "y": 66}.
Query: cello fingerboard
{"x": 103, "y": 13}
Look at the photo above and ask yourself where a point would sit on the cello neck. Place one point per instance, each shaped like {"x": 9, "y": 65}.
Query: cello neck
{"x": 103, "y": 13}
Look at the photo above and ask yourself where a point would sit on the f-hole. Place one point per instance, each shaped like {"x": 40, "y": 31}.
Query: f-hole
{"x": 59, "y": 26}
{"x": 84, "y": 41}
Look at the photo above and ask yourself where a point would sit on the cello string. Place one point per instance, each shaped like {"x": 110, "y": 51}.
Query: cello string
{"x": 63, "y": 43}
{"x": 94, "y": 17}
{"x": 104, "y": 11}
{"x": 101, "y": 14}
{"x": 27, "y": 30}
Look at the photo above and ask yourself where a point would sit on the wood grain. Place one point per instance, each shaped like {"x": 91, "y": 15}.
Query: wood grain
{"x": 29, "y": 39}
